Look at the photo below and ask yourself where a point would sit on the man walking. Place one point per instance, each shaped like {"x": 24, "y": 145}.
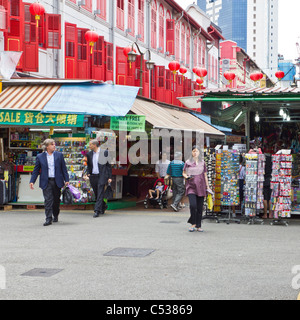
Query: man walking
{"x": 175, "y": 170}
{"x": 100, "y": 174}
{"x": 51, "y": 167}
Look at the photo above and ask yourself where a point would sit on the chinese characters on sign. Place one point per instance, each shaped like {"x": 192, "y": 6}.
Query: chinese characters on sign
{"x": 40, "y": 119}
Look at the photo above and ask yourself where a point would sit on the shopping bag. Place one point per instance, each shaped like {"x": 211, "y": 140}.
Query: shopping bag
{"x": 75, "y": 192}
{"x": 210, "y": 203}
{"x": 67, "y": 196}
{"x": 108, "y": 193}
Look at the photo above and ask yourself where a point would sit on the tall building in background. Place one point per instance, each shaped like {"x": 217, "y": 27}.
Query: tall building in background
{"x": 252, "y": 24}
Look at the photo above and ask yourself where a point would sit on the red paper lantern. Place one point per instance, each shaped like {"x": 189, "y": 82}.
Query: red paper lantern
{"x": 195, "y": 69}
{"x": 254, "y": 77}
{"x": 201, "y": 72}
{"x": 230, "y": 76}
{"x": 183, "y": 70}
{"x": 280, "y": 75}
{"x": 37, "y": 10}
{"x": 260, "y": 75}
{"x": 199, "y": 81}
{"x": 174, "y": 66}
{"x": 91, "y": 37}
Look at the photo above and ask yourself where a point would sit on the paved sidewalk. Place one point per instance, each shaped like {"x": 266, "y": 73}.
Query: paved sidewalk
{"x": 225, "y": 262}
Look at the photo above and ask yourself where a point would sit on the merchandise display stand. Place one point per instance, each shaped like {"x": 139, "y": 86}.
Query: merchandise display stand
{"x": 229, "y": 183}
{"x": 210, "y": 162}
{"x": 254, "y": 199}
{"x": 281, "y": 185}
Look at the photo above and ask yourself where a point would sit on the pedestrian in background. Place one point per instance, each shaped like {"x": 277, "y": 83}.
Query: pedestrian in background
{"x": 197, "y": 186}
{"x": 51, "y": 167}
{"x": 174, "y": 171}
{"x": 99, "y": 173}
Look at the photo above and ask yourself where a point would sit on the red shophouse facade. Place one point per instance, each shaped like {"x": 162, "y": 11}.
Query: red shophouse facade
{"x": 164, "y": 28}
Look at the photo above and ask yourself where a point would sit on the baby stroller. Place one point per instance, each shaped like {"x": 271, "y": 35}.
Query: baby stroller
{"x": 162, "y": 201}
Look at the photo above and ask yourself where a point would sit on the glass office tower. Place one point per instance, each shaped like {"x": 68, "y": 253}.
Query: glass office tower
{"x": 230, "y": 16}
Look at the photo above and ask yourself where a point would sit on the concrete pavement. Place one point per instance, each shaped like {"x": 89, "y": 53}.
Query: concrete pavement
{"x": 225, "y": 262}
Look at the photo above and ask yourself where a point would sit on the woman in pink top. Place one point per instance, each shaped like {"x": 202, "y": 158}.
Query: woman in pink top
{"x": 197, "y": 186}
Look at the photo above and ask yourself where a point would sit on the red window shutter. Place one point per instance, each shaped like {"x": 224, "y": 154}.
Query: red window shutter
{"x": 53, "y": 31}
{"x": 168, "y": 95}
{"x": 83, "y": 67}
{"x": 120, "y": 14}
{"x": 153, "y": 25}
{"x": 31, "y": 50}
{"x": 101, "y": 5}
{"x": 131, "y": 16}
{"x": 70, "y": 51}
{"x": 161, "y": 28}
{"x": 109, "y": 61}
{"x": 141, "y": 22}
{"x": 4, "y": 15}
{"x": 88, "y": 5}
{"x": 170, "y": 36}
{"x": 183, "y": 43}
{"x": 121, "y": 67}
{"x": 188, "y": 47}
{"x": 160, "y": 90}
{"x": 177, "y": 42}
{"x": 98, "y": 59}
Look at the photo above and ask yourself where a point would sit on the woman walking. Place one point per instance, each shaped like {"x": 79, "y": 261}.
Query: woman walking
{"x": 197, "y": 186}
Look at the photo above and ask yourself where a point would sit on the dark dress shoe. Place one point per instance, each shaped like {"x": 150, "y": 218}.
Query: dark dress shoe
{"x": 47, "y": 223}
{"x": 55, "y": 219}
{"x": 96, "y": 215}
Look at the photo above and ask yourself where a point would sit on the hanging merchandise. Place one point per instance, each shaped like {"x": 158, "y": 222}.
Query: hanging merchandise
{"x": 229, "y": 178}
{"x": 255, "y": 171}
{"x": 281, "y": 185}
{"x": 217, "y": 204}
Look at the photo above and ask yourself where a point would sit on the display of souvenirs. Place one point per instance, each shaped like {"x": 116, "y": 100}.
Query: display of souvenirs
{"x": 229, "y": 178}
{"x": 281, "y": 185}
{"x": 210, "y": 162}
{"x": 255, "y": 170}
{"x": 217, "y": 204}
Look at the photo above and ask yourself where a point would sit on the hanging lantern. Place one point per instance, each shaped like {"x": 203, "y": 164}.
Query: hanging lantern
{"x": 183, "y": 70}
{"x": 201, "y": 72}
{"x": 279, "y": 75}
{"x": 91, "y": 37}
{"x": 200, "y": 81}
{"x": 37, "y": 10}
{"x": 174, "y": 66}
{"x": 260, "y": 75}
{"x": 230, "y": 76}
{"x": 195, "y": 69}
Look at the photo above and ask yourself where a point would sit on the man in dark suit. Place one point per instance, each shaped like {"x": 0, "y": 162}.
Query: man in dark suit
{"x": 99, "y": 172}
{"x": 51, "y": 167}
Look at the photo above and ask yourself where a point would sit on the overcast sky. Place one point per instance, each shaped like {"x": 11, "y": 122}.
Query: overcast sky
{"x": 289, "y": 26}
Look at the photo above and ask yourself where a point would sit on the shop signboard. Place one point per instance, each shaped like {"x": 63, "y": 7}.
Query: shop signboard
{"x": 33, "y": 118}
{"x": 130, "y": 122}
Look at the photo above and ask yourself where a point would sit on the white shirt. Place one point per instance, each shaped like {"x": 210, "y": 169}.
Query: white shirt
{"x": 162, "y": 167}
{"x": 51, "y": 167}
{"x": 95, "y": 161}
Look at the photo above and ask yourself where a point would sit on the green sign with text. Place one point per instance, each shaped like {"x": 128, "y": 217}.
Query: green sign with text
{"x": 130, "y": 122}
{"x": 34, "y": 118}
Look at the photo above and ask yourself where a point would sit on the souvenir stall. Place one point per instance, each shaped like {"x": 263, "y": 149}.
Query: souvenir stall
{"x": 281, "y": 185}
{"x": 253, "y": 192}
{"x": 229, "y": 182}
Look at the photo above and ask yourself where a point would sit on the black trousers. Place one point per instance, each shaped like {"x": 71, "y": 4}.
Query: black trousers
{"x": 99, "y": 194}
{"x": 51, "y": 200}
{"x": 196, "y": 210}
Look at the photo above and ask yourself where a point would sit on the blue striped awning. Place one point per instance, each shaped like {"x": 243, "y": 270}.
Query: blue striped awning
{"x": 92, "y": 99}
